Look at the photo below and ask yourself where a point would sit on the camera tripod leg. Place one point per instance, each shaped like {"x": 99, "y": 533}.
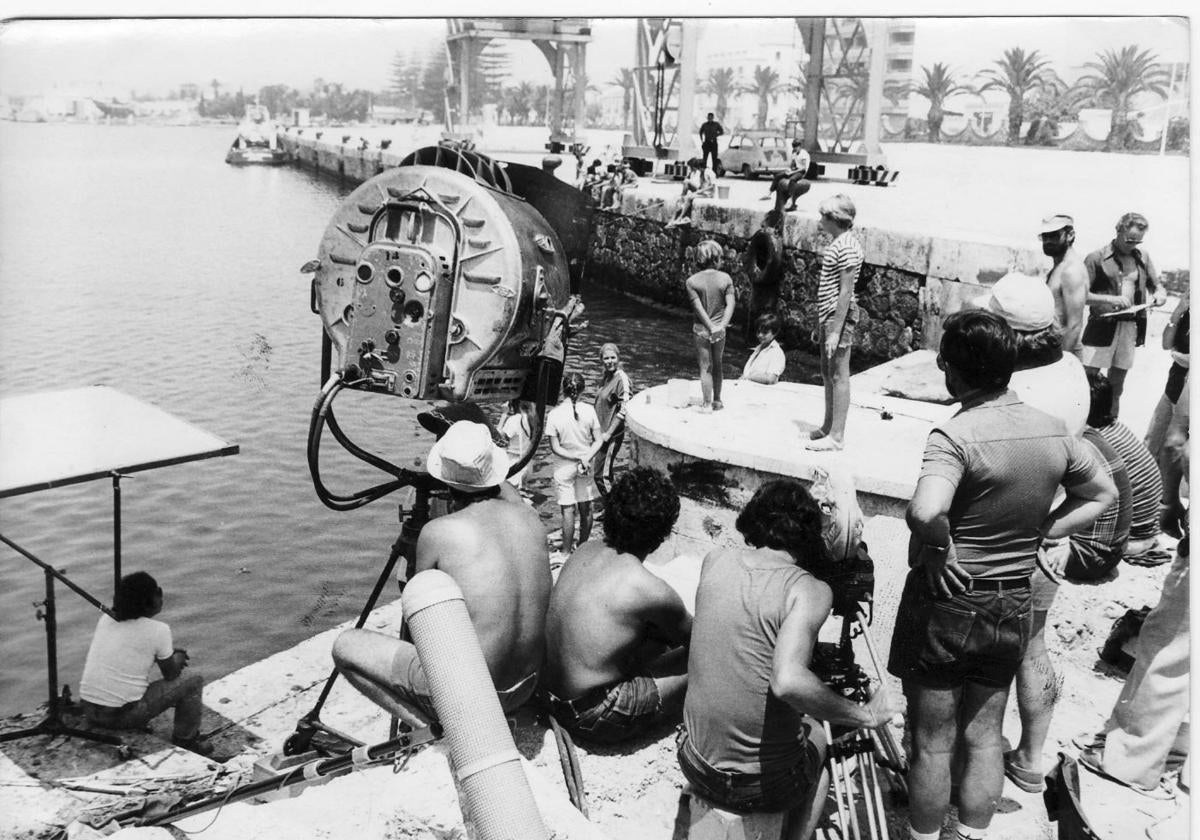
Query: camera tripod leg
{"x": 847, "y": 782}
{"x": 878, "y": 799}
{"x": 864, "y": 786}
{"x": 838, "y": 791}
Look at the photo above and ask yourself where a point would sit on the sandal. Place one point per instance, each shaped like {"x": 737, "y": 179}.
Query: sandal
{"x": 1027, "y": 780}
{"x": 1150, "y": 558}
{"x": 1093, "y": 759}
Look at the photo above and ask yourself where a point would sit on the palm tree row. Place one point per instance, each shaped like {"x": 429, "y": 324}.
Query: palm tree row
{"x": 1035, "y": 90}
{"x": 1113, "y": 80}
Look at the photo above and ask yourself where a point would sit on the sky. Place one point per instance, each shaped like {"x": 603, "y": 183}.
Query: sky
{"x": 156, "y": 55}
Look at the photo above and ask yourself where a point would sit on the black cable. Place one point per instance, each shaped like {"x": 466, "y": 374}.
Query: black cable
{"x": 315, "y": 429}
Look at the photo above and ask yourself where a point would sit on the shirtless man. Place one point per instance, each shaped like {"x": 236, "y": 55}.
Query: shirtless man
{"x": 1068, "y": 279}
{"x": 608, "y": 676}
{"x": 494, "y": 547}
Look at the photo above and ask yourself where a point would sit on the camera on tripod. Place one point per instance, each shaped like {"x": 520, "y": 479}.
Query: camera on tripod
{"x": 853, "y": 585}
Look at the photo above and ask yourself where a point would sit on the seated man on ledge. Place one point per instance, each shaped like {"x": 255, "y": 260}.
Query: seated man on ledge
{"x": 494, "y": 547}
{"x": 616, "y": 634}
{"x": 751, "y": 741}
{"x": 115, "y": 688}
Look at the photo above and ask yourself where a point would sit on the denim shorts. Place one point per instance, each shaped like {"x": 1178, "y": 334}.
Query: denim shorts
{"x": 778, "y": 790}
{"x": 609, "y": 716}
{"x": 978, "y": 636}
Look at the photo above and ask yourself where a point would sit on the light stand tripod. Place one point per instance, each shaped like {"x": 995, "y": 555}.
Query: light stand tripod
{"x": 53, "y": 723}
{"x": 411, "y": 523}
{"x": 858, "y": 758}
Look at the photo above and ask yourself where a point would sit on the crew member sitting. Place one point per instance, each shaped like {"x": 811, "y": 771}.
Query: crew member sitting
{"x": 616, "y": 634}
{"x": 700, "y": 183}
{"x": 751, "y": 741}
{"x": 792, "y": 182}
{"x": 115, "y": 687}
{"x": 494, "y": 547}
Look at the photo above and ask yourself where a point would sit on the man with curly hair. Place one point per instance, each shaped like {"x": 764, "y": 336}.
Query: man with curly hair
{"x": 617, "y": 635}
{"x": 751, "y": 740}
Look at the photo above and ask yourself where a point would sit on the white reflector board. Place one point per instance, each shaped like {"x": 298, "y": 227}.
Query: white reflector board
{"x": 56, "y": 438}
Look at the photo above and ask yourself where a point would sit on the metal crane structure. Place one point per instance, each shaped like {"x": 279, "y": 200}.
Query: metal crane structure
{"x": 563, "y": 41}
{"x": 664, "y": 93}
{"x": 843, "y": 96}
{"x": 844, "y": 88}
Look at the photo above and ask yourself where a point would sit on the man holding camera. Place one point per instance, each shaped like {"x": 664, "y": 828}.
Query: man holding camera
{"x": 752, "y": 741}
{"x": 982, "y": 507}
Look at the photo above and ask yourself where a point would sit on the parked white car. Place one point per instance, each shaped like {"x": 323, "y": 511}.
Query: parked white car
{"x": 754, "y": 153}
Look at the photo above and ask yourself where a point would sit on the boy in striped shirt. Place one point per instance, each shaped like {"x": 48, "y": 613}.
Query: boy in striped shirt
{"x": 837, "y": 314}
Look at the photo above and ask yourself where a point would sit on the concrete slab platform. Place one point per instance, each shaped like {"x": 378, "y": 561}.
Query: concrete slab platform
{"x": 764, "y": 427}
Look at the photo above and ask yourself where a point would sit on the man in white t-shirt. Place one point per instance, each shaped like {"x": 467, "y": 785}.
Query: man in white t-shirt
{"x": 116, "y": 689}
{"x": 766, "y": 363}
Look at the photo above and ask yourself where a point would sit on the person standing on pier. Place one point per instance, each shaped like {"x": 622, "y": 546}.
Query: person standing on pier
{"x": 709, "y": 132}
{"x": 711, "y": 293}
{"x": 1121, "y": 277}
{"x": 575, "y": 437}
{"x": 982, "y": 506}
{"x": 611, "y": 399}
{"x": 1068, "y": 279}
{"x": 837, "y": 314}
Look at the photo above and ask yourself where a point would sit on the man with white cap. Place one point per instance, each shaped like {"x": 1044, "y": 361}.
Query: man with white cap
{"x": 1045, "y": 377}
{"x": 494, "y": 547}
{"x": 1067, "y": 280}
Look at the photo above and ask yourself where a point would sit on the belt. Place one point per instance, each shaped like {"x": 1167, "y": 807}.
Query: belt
{"x": 583, "y": 702}
{"x": 997, "y": 584}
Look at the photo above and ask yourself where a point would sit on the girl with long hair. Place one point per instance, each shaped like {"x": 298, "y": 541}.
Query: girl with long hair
{"x": 575, "y": 437}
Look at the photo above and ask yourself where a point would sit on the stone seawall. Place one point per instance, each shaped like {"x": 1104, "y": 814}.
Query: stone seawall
{"x": 915, "y": 279}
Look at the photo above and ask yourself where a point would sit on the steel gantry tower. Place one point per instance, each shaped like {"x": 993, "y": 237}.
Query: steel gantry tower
{"x": 563, "y": 41}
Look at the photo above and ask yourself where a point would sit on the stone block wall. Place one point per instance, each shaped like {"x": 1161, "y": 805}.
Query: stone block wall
{"x": 638, "y": 254}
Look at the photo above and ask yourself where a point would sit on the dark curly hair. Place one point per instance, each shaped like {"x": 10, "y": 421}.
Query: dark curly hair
{"x": 1038, "y": 348}
{"x": 981, "y": 346}
{"x": 783, "y": 515}
{"x": 639, "y": 511}
{"x": 135, "y": 596}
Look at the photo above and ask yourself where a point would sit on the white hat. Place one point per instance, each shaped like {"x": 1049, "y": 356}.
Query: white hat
{"x": 1024, "y": 302}
{"x": 466, "y": 458}
{"x": 1051, "y": 224}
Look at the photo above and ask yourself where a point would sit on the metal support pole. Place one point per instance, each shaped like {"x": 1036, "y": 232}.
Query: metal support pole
{"x": 116, "y": 485}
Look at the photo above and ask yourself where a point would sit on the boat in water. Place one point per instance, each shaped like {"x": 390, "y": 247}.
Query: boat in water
{"x": 256, "y": 144}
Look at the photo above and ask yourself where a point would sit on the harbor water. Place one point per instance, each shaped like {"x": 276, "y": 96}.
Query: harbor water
{"x": 132, "y": 256}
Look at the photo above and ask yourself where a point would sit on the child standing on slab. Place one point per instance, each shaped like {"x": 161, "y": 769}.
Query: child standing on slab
{"x": 575, "y": 438}
{"x": 837, "y": 315}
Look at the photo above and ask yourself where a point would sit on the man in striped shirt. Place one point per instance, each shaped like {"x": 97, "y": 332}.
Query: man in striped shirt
{"x": 1144, "y": 476}
{"x": 837, "y": 315}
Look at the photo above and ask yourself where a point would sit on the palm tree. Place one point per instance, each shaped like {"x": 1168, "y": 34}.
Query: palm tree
{"x": 1116, "y": 78}
{"x": 1018, "y": 74}
{"x": 721, "y": 84}
{"x": 625, "y": 81}
{"x": 939, "y": 85}
{"x": 766, "y": 87}
{"x": 216, "y": 86}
